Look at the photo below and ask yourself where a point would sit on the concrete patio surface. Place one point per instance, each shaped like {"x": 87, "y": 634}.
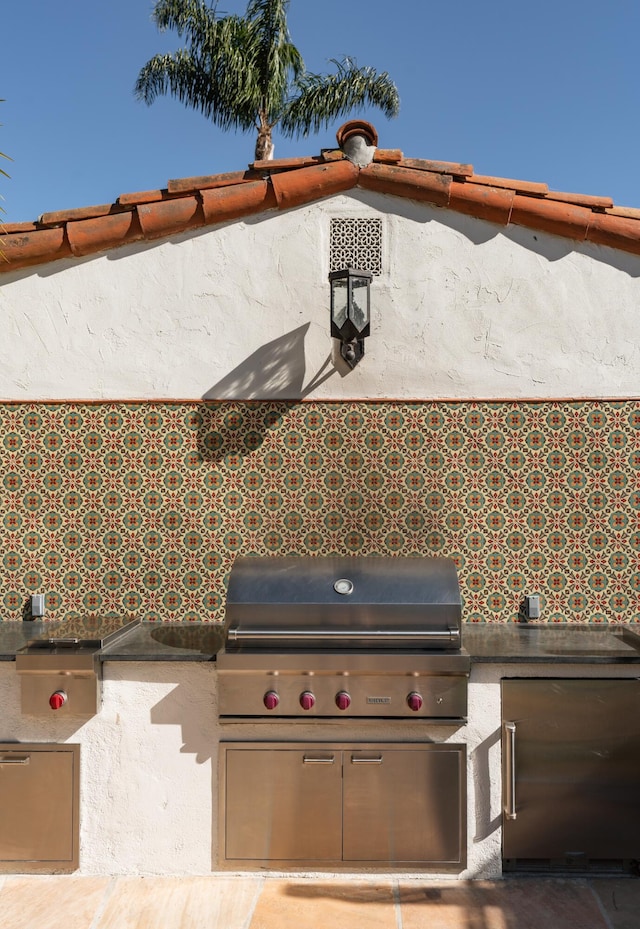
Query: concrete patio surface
{"x": 299, "y": 902}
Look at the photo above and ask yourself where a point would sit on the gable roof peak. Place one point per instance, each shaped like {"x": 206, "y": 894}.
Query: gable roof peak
{"x": 358, "y": 140}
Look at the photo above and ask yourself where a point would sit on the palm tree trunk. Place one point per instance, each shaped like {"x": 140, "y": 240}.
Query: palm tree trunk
{"x": 264, "y": 143}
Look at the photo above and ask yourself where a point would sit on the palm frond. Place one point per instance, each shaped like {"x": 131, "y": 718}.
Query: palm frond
{"x": 192, "y": 18}
{"x": 277, "y": 61}
{"x": 322, "y": 98}
{"x": 214, "y": 76}
{"x": 197, "y": 86}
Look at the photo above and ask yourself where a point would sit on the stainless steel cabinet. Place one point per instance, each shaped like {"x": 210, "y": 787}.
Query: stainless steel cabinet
{"x": 326, "y": 804}
{"x": 283, "y": 803}
{"x": 39, "y": 807}
{"x": 571, "y": 771}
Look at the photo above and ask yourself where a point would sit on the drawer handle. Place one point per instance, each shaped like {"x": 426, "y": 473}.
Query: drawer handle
{"x": 358, "y": 759}
{"x": 17, "y": 759}
{"x": 510, "y": 770}
{"x": 310, "y": 759}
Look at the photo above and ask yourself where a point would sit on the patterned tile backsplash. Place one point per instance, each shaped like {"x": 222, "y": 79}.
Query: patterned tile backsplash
{"x": 141, "y": 508}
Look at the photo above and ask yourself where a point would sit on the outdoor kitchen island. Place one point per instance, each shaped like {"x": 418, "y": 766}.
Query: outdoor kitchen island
{"x": 149, "y": 758}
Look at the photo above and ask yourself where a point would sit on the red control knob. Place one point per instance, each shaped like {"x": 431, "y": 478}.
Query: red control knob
{"x": 343, "y": 700}
{"x": 271, "y": 699}
{"x": 415, "y": 701}
{"x": 57, "y": 699}
{"x": 307, "y": 700}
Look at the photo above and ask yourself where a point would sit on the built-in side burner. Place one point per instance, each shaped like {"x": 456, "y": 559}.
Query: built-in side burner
{"x": 60, "y": 671}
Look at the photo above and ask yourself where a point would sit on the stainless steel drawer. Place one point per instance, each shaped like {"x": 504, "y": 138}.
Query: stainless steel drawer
{"x": 39, "y": 807}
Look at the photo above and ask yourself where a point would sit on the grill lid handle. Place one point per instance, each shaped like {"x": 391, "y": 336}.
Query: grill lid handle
{"x": 344, "y": 637}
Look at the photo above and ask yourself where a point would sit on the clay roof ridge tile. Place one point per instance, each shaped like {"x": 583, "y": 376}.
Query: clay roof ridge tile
{"x": 60, "y": 217}
{"x": 455, "y": 168}
{"x": 141, "y": 196}
{"x": 275, "y": 164}
{"x": 526, "y": 188}
{"x": 624, "y": 212}
{"x": 587, "y": 200}
{"x": 184, "y": 185}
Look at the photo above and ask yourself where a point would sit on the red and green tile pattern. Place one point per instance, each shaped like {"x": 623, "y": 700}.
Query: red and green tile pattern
{"x": 141, "y": 508}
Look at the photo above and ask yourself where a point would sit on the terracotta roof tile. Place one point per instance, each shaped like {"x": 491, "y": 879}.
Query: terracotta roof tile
{"x": 6, "y": 228}
{"x": 491, "y": 203}
{"x": 615, "y": 231}
{"x": 226, "y": 203}
{"x": 440, "y": 167}
{"x": 628, "y": 212}
{"x": 293, "y": 188}
{"x": 188, "y": 203}
{"x": 24, "y": 249}
{"x": 276, "y": 163}
{"x": 388, "y": 155}
{"x": 83, "y": 212}
{"x": 562, "y": 219}
{"x": 141, "y": 196}
{"x": 333, "y": 154}
{"x": 103, "y": 232}
{"x": 209, "y": 181}
{"x": 403, "y": 182}
{"x": 169, "y": 217}
{"x": 594, "y": 203}
{"x": 520, "y": 187}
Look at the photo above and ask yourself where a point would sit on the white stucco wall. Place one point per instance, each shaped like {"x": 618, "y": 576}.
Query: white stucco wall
{"x": 146, "y": 788}
{"x": 463, "y": 309}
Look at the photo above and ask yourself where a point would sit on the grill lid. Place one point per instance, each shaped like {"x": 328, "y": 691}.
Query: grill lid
{"x": 343, "y": 602}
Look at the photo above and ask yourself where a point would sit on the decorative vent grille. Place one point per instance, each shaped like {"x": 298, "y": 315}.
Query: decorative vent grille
{"x": 356, "y": 243}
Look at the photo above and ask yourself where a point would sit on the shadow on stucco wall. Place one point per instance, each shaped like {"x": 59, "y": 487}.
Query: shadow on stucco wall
{"x": 269, "y": 382}
{"x": 275, "y": 370}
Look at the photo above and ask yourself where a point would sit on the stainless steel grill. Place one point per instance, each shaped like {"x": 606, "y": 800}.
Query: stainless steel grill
{"x": 354, "y": 648}
{"x": 343, "y": 637}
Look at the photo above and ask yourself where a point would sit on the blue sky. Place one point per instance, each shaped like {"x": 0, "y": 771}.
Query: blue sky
{"x": 548, "y": 92}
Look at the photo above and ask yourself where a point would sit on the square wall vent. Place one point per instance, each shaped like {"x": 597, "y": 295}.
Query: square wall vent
{"x": 355, "y": 243}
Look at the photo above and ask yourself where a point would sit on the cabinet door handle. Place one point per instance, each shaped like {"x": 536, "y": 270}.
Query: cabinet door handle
{"x": 311, "y": 759}
{"x": 358, "y": 759}
{"x": 15, "y": 759}
{"x": 510, "y": 770}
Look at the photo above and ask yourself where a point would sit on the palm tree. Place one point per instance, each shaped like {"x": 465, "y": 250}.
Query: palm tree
{"x": 244, "y": 72}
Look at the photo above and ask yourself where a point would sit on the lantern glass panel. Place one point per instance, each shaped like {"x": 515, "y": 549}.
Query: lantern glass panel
{"x": 359, "y": 302}
{"x": 339, "y": 301}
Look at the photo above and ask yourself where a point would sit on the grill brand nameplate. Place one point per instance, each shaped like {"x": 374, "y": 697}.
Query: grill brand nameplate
{"x": 378, "y": 699}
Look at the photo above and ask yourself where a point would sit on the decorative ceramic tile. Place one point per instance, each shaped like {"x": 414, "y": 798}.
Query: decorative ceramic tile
{"x": 142, "y": 507}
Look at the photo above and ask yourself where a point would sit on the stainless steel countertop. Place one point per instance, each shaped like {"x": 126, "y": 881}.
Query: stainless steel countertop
{"x": 485, "y": 642}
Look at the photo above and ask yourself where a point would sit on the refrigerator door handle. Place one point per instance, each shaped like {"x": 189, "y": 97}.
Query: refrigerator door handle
{"x": 510, "y": 770}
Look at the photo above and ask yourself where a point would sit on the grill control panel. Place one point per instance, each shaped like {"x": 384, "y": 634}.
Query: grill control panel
{"x": 325, "y": 695}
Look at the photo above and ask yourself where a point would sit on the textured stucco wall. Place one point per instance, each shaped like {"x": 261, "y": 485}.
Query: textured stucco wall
{"x": 462, "y": 309}
{"x": 146, "y": 790}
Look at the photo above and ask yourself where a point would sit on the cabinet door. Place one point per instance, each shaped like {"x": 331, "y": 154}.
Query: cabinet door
{"x": 571, "y": 769}
{"x": 406, "y": 805}
{"x": 39, "y": 806}
{"x": 283, "y": 804}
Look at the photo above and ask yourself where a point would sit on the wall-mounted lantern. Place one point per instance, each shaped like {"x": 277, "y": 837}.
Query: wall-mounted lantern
{"x": 350, "y": 311}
